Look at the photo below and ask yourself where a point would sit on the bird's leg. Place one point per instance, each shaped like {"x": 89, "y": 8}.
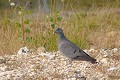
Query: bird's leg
{"x": 69, "y": 62}
{"x": 68, "y": 65}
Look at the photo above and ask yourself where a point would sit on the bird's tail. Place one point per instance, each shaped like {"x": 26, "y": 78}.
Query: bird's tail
{"x": 93, "y": 61}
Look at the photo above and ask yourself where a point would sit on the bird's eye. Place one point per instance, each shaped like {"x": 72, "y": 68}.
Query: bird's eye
{"x": 58, "y": 29}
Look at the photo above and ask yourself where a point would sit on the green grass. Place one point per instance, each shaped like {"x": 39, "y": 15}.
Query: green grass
{"x": 96, "y": 27}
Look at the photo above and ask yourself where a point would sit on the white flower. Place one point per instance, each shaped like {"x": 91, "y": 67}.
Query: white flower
{"x": 12, "y": 4}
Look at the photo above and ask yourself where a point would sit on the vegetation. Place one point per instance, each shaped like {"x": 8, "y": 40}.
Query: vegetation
{"x": 96, "y": 26}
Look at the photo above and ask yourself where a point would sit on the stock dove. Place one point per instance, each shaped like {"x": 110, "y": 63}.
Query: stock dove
{"x": 70, "y": 50}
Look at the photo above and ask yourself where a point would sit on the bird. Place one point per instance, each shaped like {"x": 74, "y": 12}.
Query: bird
{"x": 71, "y": 50}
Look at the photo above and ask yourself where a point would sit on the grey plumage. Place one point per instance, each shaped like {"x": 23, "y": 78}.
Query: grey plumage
{"x": 70, "y": 50}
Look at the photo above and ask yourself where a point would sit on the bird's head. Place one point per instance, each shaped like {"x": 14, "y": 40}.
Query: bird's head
{"x": 58, "y": 31}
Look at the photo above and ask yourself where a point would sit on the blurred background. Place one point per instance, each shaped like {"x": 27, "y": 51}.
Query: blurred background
{"x": 87, "y": 23}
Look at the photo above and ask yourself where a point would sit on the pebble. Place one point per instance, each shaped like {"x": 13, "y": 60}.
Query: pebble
{"x": 53, "y": 66}
{"x": 113, "y": 68}
{"x": 104, "y": 60}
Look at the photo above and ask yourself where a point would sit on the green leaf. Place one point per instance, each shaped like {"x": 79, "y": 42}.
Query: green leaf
{"x": 20, "y": 13}
{"x": 53, "y": 26}
{"x": 20, "y": 34}
{"x": 9, "y": 20}
{"x": 18, "y": 24}
{"x": 51, "y": 19}
{"x": 27, "y": 30}
{"x": 57, "y": 13}
{"x": 28, "y": 12}
{"x": 27, "y": 21}
{"x": 28, "y": 39}
{"x": 20, "y": 39}
{"x": 21, "y": 8}
{"x": 59, "y": 18}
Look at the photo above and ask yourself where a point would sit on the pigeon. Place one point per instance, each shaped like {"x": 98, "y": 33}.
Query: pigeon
{"x": 70, "y": 50}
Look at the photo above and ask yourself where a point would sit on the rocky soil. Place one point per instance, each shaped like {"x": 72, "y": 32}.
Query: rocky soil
{"x": 41, "y": 65}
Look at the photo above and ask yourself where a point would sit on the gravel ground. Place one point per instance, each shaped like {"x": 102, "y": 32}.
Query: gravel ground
{"x": 38, "y": 65}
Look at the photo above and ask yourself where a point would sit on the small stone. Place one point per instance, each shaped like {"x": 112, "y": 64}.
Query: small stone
{"x": 4, "y": 68}
{"x": 33, "y": 51}
{"x": 85, "y": 50}
{"x": 95, "y": 78}
{"x": 104, "y": 60}
{"x": 112, "y": 68}
{"x": 115, "y": 50}
{"x": 92, "y": 50}
{"x": 47, "y": 56}
{"x": 23, "y": 50}
{"x": 106, "y": 55}
{"x": 37, "y": 66}
{"x": 2, "y": 60}
{"x": 41, "y": 49}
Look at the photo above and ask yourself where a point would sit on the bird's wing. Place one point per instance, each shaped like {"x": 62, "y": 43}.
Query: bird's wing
{"x": 69, "y": 49}
{"x": 72, "y": 51}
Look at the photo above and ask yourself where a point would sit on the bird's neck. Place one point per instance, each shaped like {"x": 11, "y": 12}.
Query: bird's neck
{"x": 61, "y": 37}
